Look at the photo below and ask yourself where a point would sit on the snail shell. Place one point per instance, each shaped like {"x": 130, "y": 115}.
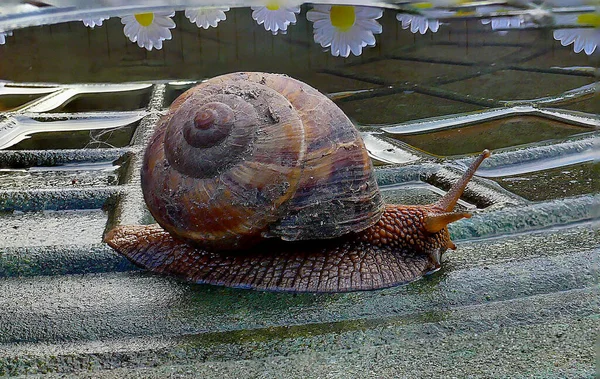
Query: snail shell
{"x": 247, "y": 156}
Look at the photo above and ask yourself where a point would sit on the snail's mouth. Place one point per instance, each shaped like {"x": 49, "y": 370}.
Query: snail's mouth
{"x": 436, "y": 257}
{"x": 337, "y": 265}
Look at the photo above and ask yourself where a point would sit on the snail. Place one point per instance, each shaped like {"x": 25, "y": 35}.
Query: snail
{"x": 259, "y": 181}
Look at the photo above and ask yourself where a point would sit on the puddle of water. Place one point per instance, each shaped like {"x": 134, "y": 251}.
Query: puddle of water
{"x": 491, "y": 135}
{"x": 405, "y": 106}
{"x": 81, "y": 139}
{"x": 555, "y": 183}
{"x": 107, "y": 102}
{"x": 527, "y": 85}
{"x": 10, "y": 102}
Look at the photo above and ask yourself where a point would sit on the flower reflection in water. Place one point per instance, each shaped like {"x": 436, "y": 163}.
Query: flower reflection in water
{"x": 583, "y": 39}
{"x": 149, "y": 29}
{"x": 426, "y": 19}
{"x": 3, "y": 36}
{"x": 345, "y": 29}
{"x": 206, "y": 17}
{"x": 417, "y": 24}
{"x": 93, "y": 22}
{"x": 274, "y": 17}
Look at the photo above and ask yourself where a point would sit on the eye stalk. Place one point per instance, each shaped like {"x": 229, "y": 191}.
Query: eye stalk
{"x": 441, "y": 213}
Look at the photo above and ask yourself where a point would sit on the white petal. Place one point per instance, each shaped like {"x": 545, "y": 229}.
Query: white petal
{"x": 590, "y": 47}
{"x": 355, "y": 47}
{"x": 316, "y": 16}
{"x": 165, "y": 13}
{"x": 322, "y": 8}
{"x": 258, "y": 14}
{"x": 405, "y": 19}
{"x": 164, "y": 22}
{"x": 128, "y": 20}
{"x": 321, "y": 24}
{"x": 434, "y": 25}
{"x": 93, "y": 22}
{"x": 339, "y": 46}
{"x": 569, "y": 38}
{"x": 370, "y": 25}
{"x": 579, "y": 44}
{"x": 368, "y": 12}
{"x": 368, "y": 38}
{"x": 560, "y": 34}
{"x": 132, "y": 30}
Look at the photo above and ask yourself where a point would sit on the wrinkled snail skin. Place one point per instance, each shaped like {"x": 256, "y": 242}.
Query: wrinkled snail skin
{"x": 295, "y": 208}
{"x": 406, "y": 243}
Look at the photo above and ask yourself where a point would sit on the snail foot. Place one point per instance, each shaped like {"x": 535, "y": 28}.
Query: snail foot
{"x": 337, "y": 265}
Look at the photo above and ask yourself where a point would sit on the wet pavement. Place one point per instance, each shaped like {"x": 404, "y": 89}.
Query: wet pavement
{"x": 518, "y": 298}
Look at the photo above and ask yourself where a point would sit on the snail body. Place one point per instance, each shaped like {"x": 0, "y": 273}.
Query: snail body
{"x": 259, "y": 181}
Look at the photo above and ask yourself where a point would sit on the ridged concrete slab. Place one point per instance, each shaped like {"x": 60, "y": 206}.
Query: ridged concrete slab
{"x": 518, "y": 298}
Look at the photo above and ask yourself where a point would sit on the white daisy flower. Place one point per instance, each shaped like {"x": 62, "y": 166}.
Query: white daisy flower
{"x": 418, "y": 24}
{"x": 205, "y": 17}
{"x": 274, "y": 17}
{"x": 583, "y": 39}
{"x": 93, "y": 22}
{"x": 427, "y": 19}
{"x": 3, "y": 36}
{"x": 503, "y": 22}
{"x": 345, "y": 28}
{"x": 149, "y": 29}
{"x": 513, "y": 22}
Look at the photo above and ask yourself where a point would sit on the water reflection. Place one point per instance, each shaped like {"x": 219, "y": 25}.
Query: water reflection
{"x": 275, "y": 18}
{"x": 149, "y": 29}
{"x": 206, "y": 17}
{"x": 345, "y": 28}
{"x": 340, "y": 29}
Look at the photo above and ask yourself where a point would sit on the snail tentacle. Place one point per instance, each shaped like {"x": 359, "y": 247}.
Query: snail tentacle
{"x": 448, "y": 201}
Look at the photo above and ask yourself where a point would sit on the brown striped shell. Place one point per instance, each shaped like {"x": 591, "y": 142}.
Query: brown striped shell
{"x": 246, "y": 156}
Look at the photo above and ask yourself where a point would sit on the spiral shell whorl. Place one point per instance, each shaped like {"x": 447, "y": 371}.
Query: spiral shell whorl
{"x": 224, "y": 191}
{"x": 292, "y": 166}
{"x": 211, "y": 124}
{"x": 204, "y": 138}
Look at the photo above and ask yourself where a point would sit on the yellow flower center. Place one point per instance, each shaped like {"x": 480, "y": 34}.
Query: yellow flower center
{"x": 144, "y": 19}
{"x": 423, "y": 5}
{"x": 342, "y": 17}
{"x": 273, "y": 6}
{"x": 592, "y": 19}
